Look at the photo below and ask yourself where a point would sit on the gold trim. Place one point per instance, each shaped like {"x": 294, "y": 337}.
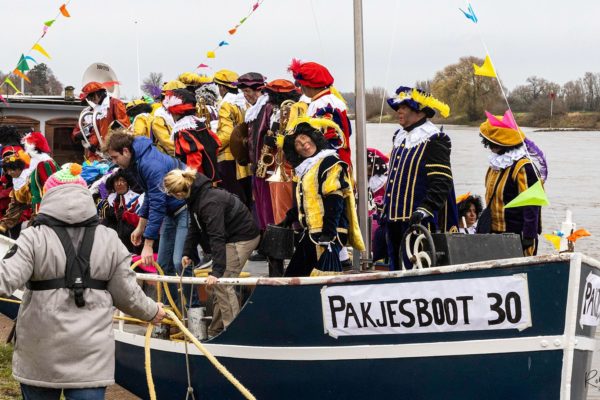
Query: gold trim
{"x": 437, "y": 166}
{"x": 439, "y": 173}
{"x": 414, "y": 184}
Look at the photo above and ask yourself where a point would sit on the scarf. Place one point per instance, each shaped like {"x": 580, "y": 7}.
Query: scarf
{"x": 254, "y": 110}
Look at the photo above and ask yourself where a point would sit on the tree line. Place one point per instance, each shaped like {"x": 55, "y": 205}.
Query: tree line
{"x": 43, "y": 82}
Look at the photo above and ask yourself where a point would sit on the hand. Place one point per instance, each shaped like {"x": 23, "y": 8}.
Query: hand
{"x": 136, "y": 236}
{"x": 270, "y": 141}
{"x": 186, "y": 261}
{"x": 325, "y": 240}
{"x": 527, "y": 242}
{"x": 211, "y": 280}
{"x": 147, "y": 255}
{"x": 78, "y": 136}
{"x": 416, "y": 217}
{"x": 160, "y": 314}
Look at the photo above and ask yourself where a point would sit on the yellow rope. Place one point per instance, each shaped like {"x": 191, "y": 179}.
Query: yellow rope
{"x": 139, "y": 321}
{"x": 220, "y": 367}
{"x": 10, "y": 300}
{"x": 165, "y": 285}
{"x": 147, "y": 364}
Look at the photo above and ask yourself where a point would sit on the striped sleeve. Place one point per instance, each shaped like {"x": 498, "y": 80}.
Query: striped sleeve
{"x": 439, "y": 173}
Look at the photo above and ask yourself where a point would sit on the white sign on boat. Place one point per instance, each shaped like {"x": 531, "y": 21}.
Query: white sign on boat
{"x": 432, "y": 306}
{"x": 590, "y": 301}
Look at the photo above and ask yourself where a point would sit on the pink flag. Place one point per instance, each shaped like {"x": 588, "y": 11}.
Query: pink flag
{"x": 507, "y": 121}
{"x": 202, "y": 66}
{"x": 255, "y": 6}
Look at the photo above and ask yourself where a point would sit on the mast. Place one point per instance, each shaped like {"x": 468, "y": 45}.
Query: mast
{"x": 361, "y": 131}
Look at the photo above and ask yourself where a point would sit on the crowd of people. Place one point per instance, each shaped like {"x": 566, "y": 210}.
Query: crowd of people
{"x": 198, "y": 173}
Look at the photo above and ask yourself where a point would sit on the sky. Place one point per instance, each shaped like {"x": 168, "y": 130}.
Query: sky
{"x": 405, "y": 41}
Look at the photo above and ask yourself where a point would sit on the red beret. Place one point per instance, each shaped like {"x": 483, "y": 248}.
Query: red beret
{"x": 281, "y": 86}
{"x": 310, "y": 74}
{"x": 90, "y": 88}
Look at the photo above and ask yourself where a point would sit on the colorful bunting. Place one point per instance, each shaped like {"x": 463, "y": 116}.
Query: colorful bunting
{"x": 533, "y": 196}
{"x": 232, "y": 31}
{"x": 202, "y": 65}
{"x": 12, "y": 85}
{"x": 210, "y": 54}
{"x": 554, "y": 239}
{"x": 507, "y": 121}
{"x": 40, "y": 49}
{"x": 63, "y": 11}
{"x": 578, "y": 234}
{"x": 243, "y": 20}
{"x": 21, "y": 75}
{"x": 49, "y": 23}
{"x": 255, "y": 6}
{"x": 223, "y": 43}
{"x": 22, "y": 65}
{"x": 486, "y": 69}
{"x": 31, "y": 58}
{"x": 470, "y": 14}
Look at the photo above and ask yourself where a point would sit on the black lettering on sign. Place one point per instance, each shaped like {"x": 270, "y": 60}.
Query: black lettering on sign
{"x": 350, "y": 312}
{"x": 411, "y": 318}
{"x": 364, "y": 310}
{"x": 392, "y": 313}
{"x": 497, "y": 308}
{"x": 437, "y": 308}
{"x": 588, "y": 294}
{"x": 513, "y": 307}
{"x": 451, "y": 311}
{"x": 383, "y": 320}
{"x": 465, "y": 300}
{"x": 422, "y": 312}
{"x": 334, "y": 309}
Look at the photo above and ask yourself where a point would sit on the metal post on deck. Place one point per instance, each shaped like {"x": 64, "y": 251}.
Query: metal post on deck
{"x": 361, "y": 132}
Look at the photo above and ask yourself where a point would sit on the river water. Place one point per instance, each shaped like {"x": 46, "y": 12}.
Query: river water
{"x": 571, "y": 184}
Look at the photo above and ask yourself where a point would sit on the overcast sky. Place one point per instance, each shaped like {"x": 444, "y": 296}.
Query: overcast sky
{"x": 557, "y": 40}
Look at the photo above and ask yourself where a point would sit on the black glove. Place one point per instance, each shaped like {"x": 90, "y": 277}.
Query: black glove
{"x": 527, "y": 242}
{"x": 78, "y": 136}
{"x": 291, "y": 216}
{"x": 325, "y": 240}
{"x": 270, "y": 141}
{"x": 416, "y": 217}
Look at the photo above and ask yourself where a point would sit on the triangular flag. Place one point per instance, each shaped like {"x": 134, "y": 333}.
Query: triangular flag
{"x": 49, "y": 22}
{"x": 579, "y": 233}
{"x": 486, "y": 69}
{"x": 243, "y": 20}
{"x": 255, "y": 6}
{"x": 3, "y": 100}
{"x": 533, "y": 196}
{"x": 470, "y": 13}
{"x": 210, "y": 54}
{"x": 12, "y": 85}
{"x": 223, "y": 43}
{"x": 45, "y": 31}
{"x": 232, "y": 31}
{"x": 21, "y": 75}
{"x": 554, "y": 239}
{"x": 31, "y": 58}
{"x": 202, "y": 66}
{"x": 63, "y": 11}
{"x": 507, "y": 121}
{"x": 39, "y": 48}
{"x": 22, "y": 65}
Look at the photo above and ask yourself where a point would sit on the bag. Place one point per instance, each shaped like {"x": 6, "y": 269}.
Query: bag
{"x": 277, "y": 242}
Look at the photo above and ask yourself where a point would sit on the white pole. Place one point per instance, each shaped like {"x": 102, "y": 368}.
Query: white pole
{"x": 361, "y": 130}
{"x": 137, "y": 50}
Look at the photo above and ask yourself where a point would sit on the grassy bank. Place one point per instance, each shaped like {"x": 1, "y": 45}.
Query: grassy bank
{"x": 574, "y": 120}
{"x": 9, "y": 388}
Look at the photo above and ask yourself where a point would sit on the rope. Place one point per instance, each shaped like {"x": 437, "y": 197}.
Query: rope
{"x": 220, "y": 367}
{"x": 10, "y": 300}
{"x": 190, "y": 389}
{"x": 165, "y": 285}
{"x": 147, "y": 363}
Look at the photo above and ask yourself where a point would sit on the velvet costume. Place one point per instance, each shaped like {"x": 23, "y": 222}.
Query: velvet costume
{"x": 419, "y": 177}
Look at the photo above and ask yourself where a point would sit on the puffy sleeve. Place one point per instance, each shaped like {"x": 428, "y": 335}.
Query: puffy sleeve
{"x": 439, "y": 173}
{"x": 162, "y": 136}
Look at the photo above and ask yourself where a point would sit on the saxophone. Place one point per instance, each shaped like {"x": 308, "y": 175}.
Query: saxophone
{"x": 202, "y": 111}
{"x": 266, "y": 159}
{"x": 280, "y": 175}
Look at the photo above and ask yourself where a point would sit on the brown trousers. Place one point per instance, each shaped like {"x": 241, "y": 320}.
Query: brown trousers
{"x": 226, "y": 305}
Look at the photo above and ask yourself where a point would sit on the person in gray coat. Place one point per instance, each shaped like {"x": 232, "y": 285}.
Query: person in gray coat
{"x": 61, "y": 345}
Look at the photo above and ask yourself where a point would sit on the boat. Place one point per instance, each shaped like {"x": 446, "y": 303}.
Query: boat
{"x": 519, "y": 328}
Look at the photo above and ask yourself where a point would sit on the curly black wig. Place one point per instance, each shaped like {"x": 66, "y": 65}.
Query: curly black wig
{"x": 463, "y": 206}
{"x": 289, "y": 147}
{"x": 503, "y": 149}
{"x": 9, "y": 136}
{"x": 277, "y": 98}
{"x": 120, "y": 173}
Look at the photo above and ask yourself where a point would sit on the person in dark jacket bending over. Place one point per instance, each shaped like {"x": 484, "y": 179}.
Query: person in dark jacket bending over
{"x": 420, "y": 187}
{"x": 231, "y": 231}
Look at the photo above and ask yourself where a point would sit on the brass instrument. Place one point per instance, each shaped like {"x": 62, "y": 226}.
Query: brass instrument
{"x": 202, "y": 110}
{"x": 280, "y": 175}
{"x": 266, "y": 159}
{"x": 88, "y": 126}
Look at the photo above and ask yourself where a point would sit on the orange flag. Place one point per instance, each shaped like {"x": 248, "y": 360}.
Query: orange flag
{"x": 579, "y": 233}
{"x": 21, "y": 75}
{"x": 63, "y": 11}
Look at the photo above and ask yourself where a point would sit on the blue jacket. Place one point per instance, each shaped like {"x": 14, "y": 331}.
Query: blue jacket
{"x": 149, "y": 166}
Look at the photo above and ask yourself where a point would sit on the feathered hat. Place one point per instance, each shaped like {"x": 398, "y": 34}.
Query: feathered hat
{"x": 504, "y": 137}
{"x": 172, "y": 85}
{"x": 310, "y": 74}
{"x": 38, "y": 141}
{"x": 418, "y": 100}
{"x": 179, "y": 101}
{"x": 194, "y": 79}
{"x": 14, "y": 157}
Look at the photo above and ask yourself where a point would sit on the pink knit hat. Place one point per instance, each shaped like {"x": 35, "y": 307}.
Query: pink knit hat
{"x": 70, "y": 173}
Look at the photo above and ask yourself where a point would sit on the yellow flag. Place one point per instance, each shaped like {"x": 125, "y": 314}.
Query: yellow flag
{"x": 554, "y": 239}
{"x": 39, "y": 48}
{"x": 210, "y": 54}
{"x": 486, "y": 69}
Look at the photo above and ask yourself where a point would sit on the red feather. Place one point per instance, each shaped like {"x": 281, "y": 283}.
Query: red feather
{"x": 295, "y": 66}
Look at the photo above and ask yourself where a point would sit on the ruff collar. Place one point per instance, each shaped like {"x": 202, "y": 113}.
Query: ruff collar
{"x": 415, "y": 137}
{"x": 376, "y": 182}
{"x": 503, "y": 161}
{"x": 102, "y": 109}
{"x": 254, "y": 110}
{"x": 187, "y": 122}
{"x": 307, "y": 164}
{"x": 237, "y": 100}
{"x": 162, "y": 113}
